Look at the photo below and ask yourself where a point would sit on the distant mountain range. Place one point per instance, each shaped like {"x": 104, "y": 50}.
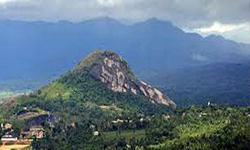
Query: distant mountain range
{"x": 219, "y": 83}
{"x": 199, "y": 69}
{"x": 42, "y": 49}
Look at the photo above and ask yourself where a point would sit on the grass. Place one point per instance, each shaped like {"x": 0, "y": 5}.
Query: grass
{"x": 55, "y": 90}
{"x": 196, "y": 130}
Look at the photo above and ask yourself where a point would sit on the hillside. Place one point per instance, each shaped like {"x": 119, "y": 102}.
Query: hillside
{"x": 101, "y": 86}
{"x": 102, "y": 95}
{"x": 193, "y": 128}
{"x": 211, "y": 127}
{"x": 221, "y": 83}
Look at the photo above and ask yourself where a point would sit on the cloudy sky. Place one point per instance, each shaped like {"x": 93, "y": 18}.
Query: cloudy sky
{"x": 229, "y": 18}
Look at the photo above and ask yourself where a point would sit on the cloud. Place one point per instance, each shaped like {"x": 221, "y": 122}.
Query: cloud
{"x": 5, "y": 1}
{"x": 219, "y": 27}
{"x": 192, "y": 13}
{"x": 236, "y": 32}
{"x": 9, "y": 1}
{"x": 108, "y": 3}
{"x": 239, "y": 34}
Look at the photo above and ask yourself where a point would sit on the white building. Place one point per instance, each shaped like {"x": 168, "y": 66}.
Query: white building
{"x": 8, "y": 138}
{"x": 96, "y": 133}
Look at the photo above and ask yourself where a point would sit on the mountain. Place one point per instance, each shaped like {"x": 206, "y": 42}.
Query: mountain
{"x": 220, "y": 83}
{"x": 34, "y": 53}
{"x": 101, "y": 86}
{"x": 41, "y": 49}
{"x": 115, "y": 73}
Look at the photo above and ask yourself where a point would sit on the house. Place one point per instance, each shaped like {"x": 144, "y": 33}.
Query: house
{"x": 73, "y": 125}
{"x": 25, "y": 134}
{"x": 7, "y": 126}
{"x": 96, "y": 133}
{"x": 166, "y": 117}
{"x": 202, "y": 114}
{"x": 118, "y": 121}
{"x": 8, "y": 138}
{"x": 37, "y": 131}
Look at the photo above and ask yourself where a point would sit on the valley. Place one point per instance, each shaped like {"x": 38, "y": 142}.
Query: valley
{"x": 101, "y": 104}
{"x": 4, "y": 95}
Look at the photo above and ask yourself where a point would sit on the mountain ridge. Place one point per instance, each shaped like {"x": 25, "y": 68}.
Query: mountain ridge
{"x": 158, "y": 42}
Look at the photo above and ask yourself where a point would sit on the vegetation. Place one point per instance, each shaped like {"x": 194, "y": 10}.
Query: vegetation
{"x": 127, "y": 134}
{"x": 54, "y": 90}
{"x": 207, "y": 128}
{"x": 77, "y": 97}
{"x": 213, "y": 127}
{"x": 87, "y": 115}
{"x": 88, "y": 61}
{"x": 218, "y": 83}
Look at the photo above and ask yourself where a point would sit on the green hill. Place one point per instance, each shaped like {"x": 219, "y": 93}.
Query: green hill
{"x": 85, "y": 93}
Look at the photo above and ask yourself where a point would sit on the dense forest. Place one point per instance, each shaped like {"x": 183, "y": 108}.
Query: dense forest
{"x": 210, "y": 127}
{"x": 221, "y": 83}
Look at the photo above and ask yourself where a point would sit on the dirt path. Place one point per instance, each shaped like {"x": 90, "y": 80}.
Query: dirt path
{"x": 9, "y": 147}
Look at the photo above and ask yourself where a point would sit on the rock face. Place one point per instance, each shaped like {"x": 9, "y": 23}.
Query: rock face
{"x": 112, "y": 70}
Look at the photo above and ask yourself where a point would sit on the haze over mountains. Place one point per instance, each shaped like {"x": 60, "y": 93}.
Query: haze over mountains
{"x": 157, "y": 50}
{"x": 42, "y": 49}
{"x": 220, "y": 83}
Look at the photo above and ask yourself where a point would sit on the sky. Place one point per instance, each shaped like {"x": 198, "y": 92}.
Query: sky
{"x": 229, "y": 18}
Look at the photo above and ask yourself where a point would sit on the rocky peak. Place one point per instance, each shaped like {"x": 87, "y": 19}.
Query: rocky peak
{"x": 112, "y": 70}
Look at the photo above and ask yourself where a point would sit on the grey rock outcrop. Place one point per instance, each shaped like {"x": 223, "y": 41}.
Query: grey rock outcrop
{"x": 112, "y": 70}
